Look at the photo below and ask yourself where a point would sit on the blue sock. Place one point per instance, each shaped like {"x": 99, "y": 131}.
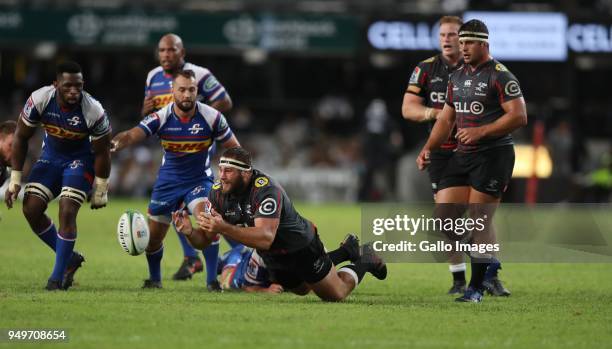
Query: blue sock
{"x": 211, "y": 257}
{"x": 188, "y": 251}
{"x": 49, "y": 236}
{"x": 154, "y": 260}
{"x": 63, "y": 251}
{"x": 492, "y": 269}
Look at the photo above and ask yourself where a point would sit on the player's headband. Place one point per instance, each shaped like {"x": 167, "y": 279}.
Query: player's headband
{"x": 228, "y": 162}
{"x": 473, "y": 36}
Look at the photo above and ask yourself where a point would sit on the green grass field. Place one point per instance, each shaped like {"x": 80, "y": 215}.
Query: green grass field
{"x": 552, "y": 306}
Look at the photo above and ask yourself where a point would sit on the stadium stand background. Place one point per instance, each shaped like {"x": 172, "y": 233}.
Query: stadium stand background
{"x": 326, "y": 120}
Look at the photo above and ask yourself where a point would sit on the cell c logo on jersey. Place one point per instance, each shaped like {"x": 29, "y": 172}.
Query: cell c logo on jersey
{"x": 268, "y": 207}
{"x": 437, "y": 97}
{"x": 512, "y": 88}
{"x": 476, "y": 108}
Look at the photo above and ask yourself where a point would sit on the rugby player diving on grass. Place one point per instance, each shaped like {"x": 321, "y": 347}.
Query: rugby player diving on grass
{"x": 248, "y": 206}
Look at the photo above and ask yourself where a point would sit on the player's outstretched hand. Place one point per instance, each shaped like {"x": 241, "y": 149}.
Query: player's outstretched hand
{"x": 148, "y": 105}
{"x": 182, "y": 223}
{"x": 99, "y": 198}
{"x": 210, "y": 222}
{"x": 119, "y": 142}
{"x": 11, "y": 195}
{"x": 274, "y": 288}
{"x": 14, "y": 187}
{"x": 423, "y": 159}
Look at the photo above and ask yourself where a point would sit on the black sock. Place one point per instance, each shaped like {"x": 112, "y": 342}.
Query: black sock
{"x": 359, "y": 269}
{"x": 338, "y": 255}
{"x": 479, "y": 268}
{"x": 459, "y": 276}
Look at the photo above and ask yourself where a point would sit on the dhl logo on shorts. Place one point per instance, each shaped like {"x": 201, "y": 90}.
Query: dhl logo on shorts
{"x": 185, "y": 147}
{"x": 161, "y": 101}
{"x": 59, "y": 132}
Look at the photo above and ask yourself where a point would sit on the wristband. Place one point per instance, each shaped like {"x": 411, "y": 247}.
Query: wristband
{"x": 101, "y": 183}
{"x": 15, "y": 180}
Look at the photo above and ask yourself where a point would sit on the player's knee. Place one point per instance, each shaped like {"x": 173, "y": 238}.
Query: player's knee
{"x": 77, "y": 196}
{"x": 334, "y": 296}
{"x": 31, "y": 211}
{"x": 154, "y": 245}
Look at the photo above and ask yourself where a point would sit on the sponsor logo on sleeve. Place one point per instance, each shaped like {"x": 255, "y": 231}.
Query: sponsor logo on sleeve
{"x": 268, "y": 207}
{"x": 261, "y": 182}
{"x": 414, "y": 78}
{"x": 512, "y": 88}
{"x": 500, "y": 67}
{"x": 102, "y": 126}
{"x": 27, "y": 108}
{"x": 210, "y": 84}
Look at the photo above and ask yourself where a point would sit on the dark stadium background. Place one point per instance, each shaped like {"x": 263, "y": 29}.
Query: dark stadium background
{"x": 309, "y": 111}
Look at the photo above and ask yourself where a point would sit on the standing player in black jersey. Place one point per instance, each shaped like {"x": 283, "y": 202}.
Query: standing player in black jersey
{"x": 250, "y": 207}
{"x": 485, "y": 102}
{"x": 423, "y": 101}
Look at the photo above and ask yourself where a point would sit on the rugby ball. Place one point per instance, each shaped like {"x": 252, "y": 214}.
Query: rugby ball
{"x": 133, "y": 232}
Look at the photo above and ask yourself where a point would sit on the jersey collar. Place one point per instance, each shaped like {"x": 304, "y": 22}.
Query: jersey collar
{"x": 479, "y": 67}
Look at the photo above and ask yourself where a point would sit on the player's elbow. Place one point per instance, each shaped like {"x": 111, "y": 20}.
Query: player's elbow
{"x": 407, "y": 113}
{"x": 267, "y": 238}
{"x": 521, "y": 119}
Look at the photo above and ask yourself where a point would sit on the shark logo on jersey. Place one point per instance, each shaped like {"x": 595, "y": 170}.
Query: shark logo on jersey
{"x": 195, "y": 129}
{"x": 512, "y": 88}
{"x": 268, "y": 207}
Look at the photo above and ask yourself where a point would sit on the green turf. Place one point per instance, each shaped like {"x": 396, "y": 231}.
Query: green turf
{"x": 552, "y": 306}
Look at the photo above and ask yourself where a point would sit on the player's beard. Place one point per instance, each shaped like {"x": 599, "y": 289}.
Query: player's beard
{"x": 237, "y": 187}
{"x": 185, "y": 106}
